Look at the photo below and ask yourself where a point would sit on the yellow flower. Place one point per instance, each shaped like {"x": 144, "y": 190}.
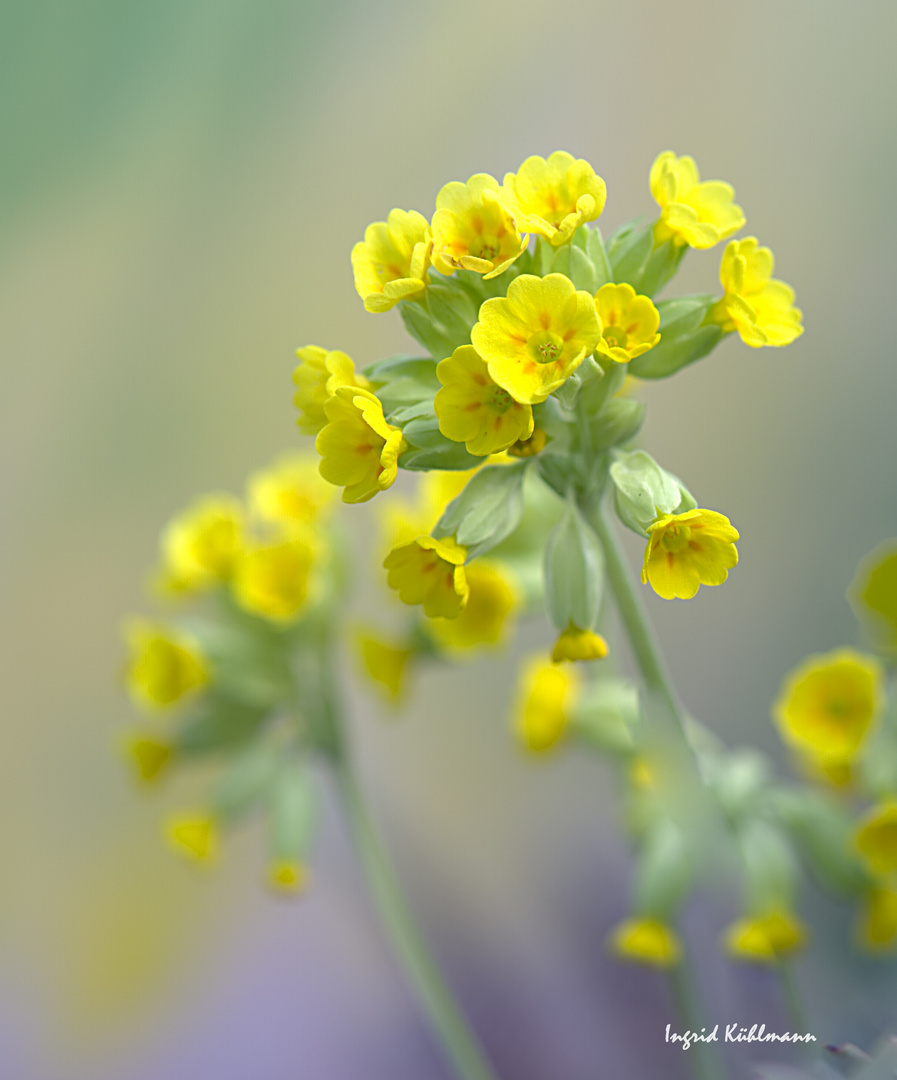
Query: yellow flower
{"x": 553, "y": 198}
{"x": 764, "y": 938}
{"x": 360, "y": 451}
{"x": 271, "y": 580}
{"x": 877, "y": 928}
{"x": 390, "y": 264}
{"x": 546, "y": 696}
{"x": 200, "y": 546}
{"x": 317, "y": 378}
{"x": 537, "y": 336}
{"x": 693, "y": 213}
{"x": 291, "y": 492}
{"x": 430, "y": 572}
{"x": 149, "y": 757}
{"x": 760, "y": 308}
{"x": 876, "y": 839}
{"x": 874, "y": 590}
{"x": 385, "y": 663}
{"x": 473, "y": 230}
{"x": 483, "y": 620}
{"x": 827, "y": 705}
{"x": 628, "y": 323}
{"x": 686, "y": 551}
{"x": 195, "y": 837}
{"x": 166, "y": 667}
{"x": 576, "y": 644}
{"x": 646, "y": 941}
{"x": 287, "y": 876}
{"x": 476, "y": 411}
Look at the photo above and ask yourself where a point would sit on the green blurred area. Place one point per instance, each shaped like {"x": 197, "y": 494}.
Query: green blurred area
{"x": 180, "y": 187}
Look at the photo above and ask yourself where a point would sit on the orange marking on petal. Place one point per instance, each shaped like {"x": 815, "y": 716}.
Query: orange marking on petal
{"x": 480, "y": 380}
{"x": 473, "y": 406}
{"x": 545, "y": 319}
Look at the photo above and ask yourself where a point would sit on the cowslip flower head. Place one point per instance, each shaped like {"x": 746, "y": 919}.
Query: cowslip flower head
{"x": 576, "y": 644}
{"x": 873, "y": 594}
{"x": 876, "y": 839}
{"x": 318, "y": 375}
{"x": 546, "y": 696}
{"x": 473, "y": 229}
{"x": 359, "y": 450}
{"x": 430, "y": 572}
{"x": 628, "y": 323}
{"x": 289, "y": 493}
{"x": 385, "y": 663}
{"x": 827, "y": 706}
{"x": 760, "y": 308}
{"x": 537, "y": 336}
{"x": 194, "y": 837}
{"x": 201, "y": 545}
{"x": 686, "y": 551}
{"x": 484, "y": 619}
{"x": 165, "y": 667}
{"x": 473, "y": 409}
{"x": 692, "y": 212}
{"x": 646, "y": 941}
{"x": 272, "y": 579}
{"x": 877, "y": 926}
{"x": 391, "y": 263}
{"x": 762, "y": 939}
{"x": 553, "y": 198}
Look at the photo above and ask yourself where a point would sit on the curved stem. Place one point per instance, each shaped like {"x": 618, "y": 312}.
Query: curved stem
{"x": 458, "y": 1042}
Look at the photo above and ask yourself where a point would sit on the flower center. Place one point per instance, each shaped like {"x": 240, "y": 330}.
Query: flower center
{"x": 487, "y": 248}
{"x": 499, "y": 401}
{"x": 676, "y": 538}
{"x": 545, "y": 347}
{"x": 615, "y": 336}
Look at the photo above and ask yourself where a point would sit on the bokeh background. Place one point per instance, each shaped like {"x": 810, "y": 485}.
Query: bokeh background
{"x": 181, "y": 184}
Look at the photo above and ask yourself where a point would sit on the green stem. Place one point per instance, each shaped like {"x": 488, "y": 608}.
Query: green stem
{"x": 639, "y": 630}
{"x": 794, "y": 1006}
{"x": 458, "y": 1042}
{"x": 705, "y": 1056}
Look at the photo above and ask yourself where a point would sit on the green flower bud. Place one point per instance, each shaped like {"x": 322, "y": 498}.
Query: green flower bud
{"x": 683, "y": 337}
{"x": 662, "y": 871}
{"x": 643, "y": 491}
{"x": 245, "y": 781}
{"x": 574, "y": 572}
{"x": 487, "y": 510}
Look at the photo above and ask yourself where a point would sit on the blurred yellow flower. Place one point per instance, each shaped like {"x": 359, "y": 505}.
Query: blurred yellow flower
{"x": 576, "y": 644}
{"x": 385, "y": 663}
{"x": 149, "y": 757}
{"x": 876, "y": 839}
{"x": 760, "y": 308}
{"x": 271, "y": 580}
{"x": 827, "y": 705}
{"x": 319, "y": 374}
{"x": 290, "y": 492}
{"x": 200, "y": 545}
{"x": 553, "y": 198}
{"x": 473, "y": 409}
{"x": 874, "y": 591}
{"x": 390, "y": 264}
{"x": 764, "y": 938}
{"x": 485, "y": 616}
{"x": 165, "y": 666}
{"x": 691, "y": 212}
{"x": 194, "y": 837}
{"x": 877, "y": 925}
{"x": 537, "y": 336}
{"x": 646, "y": 941}
{"x": 473, "y": 230}
{"x": 545, "y": 697}
{"x": 686, "y": 551}
{"x": 287, "y": 876}
{"x": 359, "y": 450}
{"x": 628, "y": 323}
{"x": 430, "y": 572}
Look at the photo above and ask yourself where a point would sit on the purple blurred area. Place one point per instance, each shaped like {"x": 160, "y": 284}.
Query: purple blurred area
{"x": 180, "y": 188}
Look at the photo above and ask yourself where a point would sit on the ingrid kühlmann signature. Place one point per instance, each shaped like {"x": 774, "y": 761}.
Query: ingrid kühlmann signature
{"x": 736, "y": 1033}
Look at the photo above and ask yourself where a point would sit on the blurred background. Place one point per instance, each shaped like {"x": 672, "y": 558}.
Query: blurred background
{"x": 181, "y": 184}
